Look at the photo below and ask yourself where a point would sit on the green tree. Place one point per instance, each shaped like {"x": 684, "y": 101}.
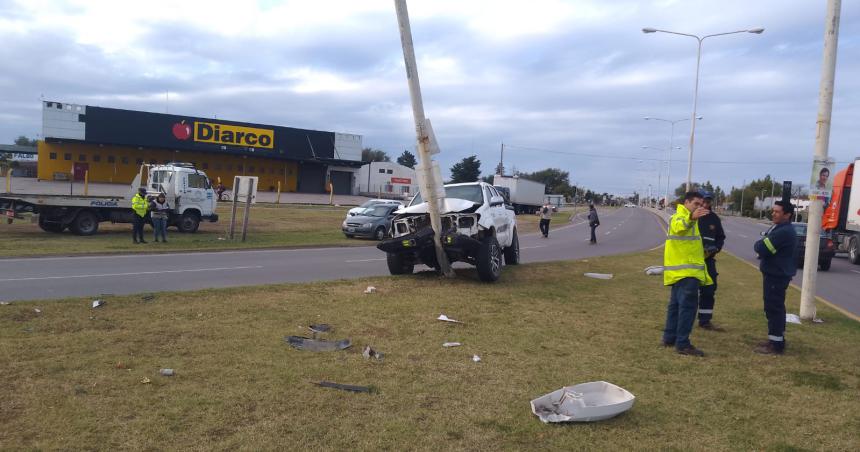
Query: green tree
{"x": 555, "y": 180}
{"x": 374, "y": 155}
{"x": 467, "y": 170}
{"x": 24, "y": 141}
{"x": 407, "y": 159}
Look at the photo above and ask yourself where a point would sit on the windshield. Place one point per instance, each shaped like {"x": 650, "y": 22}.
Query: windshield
{"x": 800, "y": 228}
{"x": 378, "y": 211}
{"x": 468, "y": 192}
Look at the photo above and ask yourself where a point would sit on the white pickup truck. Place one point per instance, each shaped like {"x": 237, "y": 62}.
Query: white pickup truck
{"x": 477, "y": 228}
{"x": 187, "y": 190}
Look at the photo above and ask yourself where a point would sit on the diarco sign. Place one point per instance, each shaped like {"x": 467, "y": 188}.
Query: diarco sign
{"x": 401, "y": 180}
{"x": 231, "y": 135}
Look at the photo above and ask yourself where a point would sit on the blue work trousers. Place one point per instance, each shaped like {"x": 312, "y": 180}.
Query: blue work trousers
{"x": 160, "y": 227}
{"x": 774, "y": 308}
{"x": 706, "y": 294}
{"x": 681, "y": 312}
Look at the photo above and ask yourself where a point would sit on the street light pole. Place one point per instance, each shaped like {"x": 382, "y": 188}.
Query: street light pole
{"x": 696, "y": 86}
{"x": 668, "y": 151}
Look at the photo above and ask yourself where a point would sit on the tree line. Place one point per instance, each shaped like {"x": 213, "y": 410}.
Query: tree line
{"x": 469, "y": 170}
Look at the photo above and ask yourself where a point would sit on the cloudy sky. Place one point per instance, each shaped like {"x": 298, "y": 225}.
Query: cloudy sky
{"x": 563, "y": 84}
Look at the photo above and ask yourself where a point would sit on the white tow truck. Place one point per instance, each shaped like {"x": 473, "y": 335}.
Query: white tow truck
{"x": 477, "y": 228}
{"x": 187, "y": 189}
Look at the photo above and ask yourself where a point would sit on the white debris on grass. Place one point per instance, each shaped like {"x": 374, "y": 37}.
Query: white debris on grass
{"x": 792, "y": 318}
{"x": 98, "y": 303}
{"x": 598, "y": 275}
{"x": 451, "y": 344}
{"x": 445, "y": 318}
{"x": 476, "y": 358}
{"x": 654, "y": 270}
{"x": 370, "y": 289}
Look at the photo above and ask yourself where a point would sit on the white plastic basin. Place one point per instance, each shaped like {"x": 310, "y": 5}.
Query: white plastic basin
{"x": 585, "y": 402}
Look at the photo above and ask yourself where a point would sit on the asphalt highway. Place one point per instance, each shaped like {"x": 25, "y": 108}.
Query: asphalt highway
{"x": 622, "y": 231}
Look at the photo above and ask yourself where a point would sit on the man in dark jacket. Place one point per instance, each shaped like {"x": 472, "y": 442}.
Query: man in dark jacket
{"x": 593, "y": 222}
{"x": 713, "y": 238}
{"x": 776, "y": 251}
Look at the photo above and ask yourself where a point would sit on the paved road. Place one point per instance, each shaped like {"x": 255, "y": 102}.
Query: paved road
{"x": 621, "y": 231}
{"x": 839, "y": 286}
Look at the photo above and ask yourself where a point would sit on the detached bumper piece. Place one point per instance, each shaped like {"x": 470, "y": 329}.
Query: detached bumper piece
{"x": 457, "y": 246}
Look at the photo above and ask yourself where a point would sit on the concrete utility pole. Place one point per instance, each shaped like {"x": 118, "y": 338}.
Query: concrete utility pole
{"x": 743, "y": 188}
{"x": 431, "y": 189}
{"x": 822, "y": 141}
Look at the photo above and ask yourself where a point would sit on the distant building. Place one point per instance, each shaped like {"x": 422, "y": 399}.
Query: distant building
{"x": 25, "y": 159}
{"x": 767, "y": 203}
{"x": 555, "y": 200}
{"x": 387, "y": 179}
{"x": 111, "y": 144}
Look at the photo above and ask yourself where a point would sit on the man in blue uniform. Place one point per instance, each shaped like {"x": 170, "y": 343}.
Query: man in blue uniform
{"x": 713, "y": 239}
{"x": 776, "y": 251}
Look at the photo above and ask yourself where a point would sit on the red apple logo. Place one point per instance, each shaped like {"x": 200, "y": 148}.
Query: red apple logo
{"x": 181, "y": 130}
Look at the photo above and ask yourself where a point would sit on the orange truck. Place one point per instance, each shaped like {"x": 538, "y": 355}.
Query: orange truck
{"x": 842, "y": 216}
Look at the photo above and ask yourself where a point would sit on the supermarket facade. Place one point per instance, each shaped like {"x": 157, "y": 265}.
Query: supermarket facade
{"x": 109, "y": 145}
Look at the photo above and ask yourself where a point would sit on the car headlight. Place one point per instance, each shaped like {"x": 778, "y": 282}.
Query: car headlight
{"x": 367, "y": 225}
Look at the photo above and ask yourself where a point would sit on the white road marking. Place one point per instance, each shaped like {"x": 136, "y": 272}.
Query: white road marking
{"x": 608, "y": 232}
{"x": 532, "y": 247}
{"x": 365, "y": 260}
{"x": 855, "y": 271}
{"x": 742, "y": 236}
{"x": 132, "y": 273}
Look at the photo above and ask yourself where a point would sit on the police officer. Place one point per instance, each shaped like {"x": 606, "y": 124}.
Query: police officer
{"x": 684, "y": 270}
{"x": 713, "y": 238}
{"x": 140, "y": 207}
{"x": 776, "y": 251}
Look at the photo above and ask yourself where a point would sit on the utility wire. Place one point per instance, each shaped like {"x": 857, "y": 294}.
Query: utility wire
{"x": 619, "y": 157}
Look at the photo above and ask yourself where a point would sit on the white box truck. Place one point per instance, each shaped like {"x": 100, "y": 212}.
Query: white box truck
{"x": 526, "y": 196}
{"x": 187, "y": 190}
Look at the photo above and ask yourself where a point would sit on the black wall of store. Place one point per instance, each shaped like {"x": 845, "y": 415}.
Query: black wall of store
{"x": 137, "y": 128}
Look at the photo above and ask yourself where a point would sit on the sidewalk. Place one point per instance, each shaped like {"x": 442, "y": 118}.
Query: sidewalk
{"x": 32, "y": 186}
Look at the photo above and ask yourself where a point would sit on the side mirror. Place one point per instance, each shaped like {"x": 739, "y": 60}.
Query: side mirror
{"x": 762, "y": 233}
{"x": 497, "y": 201}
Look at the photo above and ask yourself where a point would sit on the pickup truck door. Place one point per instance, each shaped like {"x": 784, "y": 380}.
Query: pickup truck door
{"x": 499, "y": 216}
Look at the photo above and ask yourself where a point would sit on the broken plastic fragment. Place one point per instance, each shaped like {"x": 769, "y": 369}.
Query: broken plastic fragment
{"x": 445, "y": 318}
{"x": 4, "y": 303}
{"x": 599, "y": 275}
{"x": 37, "y": 310}
{"x": 818, "y": 320}
{"x": 370, "y": 289}
{"x": 351, "y": 388}
{"x": 166, "y": 372}
{"x": 320, "y": 328}
{"x": 148, "y": 297}
{"x": 371, "y": 353}
{"x": 315, "y": 345}
{"x": 451, "y": 344}
{"x": 476, "y": 358}
{"x": 145, "y": 380}
{"x": 586, "y": 402}
{"x": 98, "y": 303}
{"x": 792, "y": 318}
{"x": 654, "y": 270}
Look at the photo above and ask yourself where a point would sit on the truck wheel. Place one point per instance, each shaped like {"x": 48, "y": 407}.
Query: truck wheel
{"x": 854, "y": 250}
{"x": 512, "y": 253}
{"x": 379, "y": 234}
{"x": 188, "y": 222}
{"x": 85, "y": 223}
{"x": 399, "y": 264}
{"x": 489, "y": 260}
{"x": 825, "y": 264}
{"x": 50, "y": 226}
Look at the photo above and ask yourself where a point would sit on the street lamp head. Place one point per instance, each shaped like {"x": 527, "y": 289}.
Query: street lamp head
{"x": 757, "y": 31}
{"x": 699, "y": 117}
{"x": 646, "y": 118}
{"x": 649, "y": 30}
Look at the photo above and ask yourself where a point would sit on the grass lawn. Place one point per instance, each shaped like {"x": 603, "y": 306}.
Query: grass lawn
{"x": 269, "y": 226}
{"x": 72, "y": 375}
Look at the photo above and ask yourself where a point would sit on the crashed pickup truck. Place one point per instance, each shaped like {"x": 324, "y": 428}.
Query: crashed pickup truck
{"x": 477, "y": 228}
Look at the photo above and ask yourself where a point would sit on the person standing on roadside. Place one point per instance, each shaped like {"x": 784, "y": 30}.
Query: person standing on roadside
{"x": 140, "y": 207}
{"x": 593, "y": 222}
{"x": 713, "y": 238}
{"x": 160, "y": 213}
{"x": 684, "y": 270}
{"x": 545, "y": 217}
{"x": 776, "y": 251}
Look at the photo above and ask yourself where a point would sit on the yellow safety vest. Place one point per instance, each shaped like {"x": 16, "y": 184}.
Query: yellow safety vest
{"x": 684, "y": 256}
{"x": 139, "y": 205}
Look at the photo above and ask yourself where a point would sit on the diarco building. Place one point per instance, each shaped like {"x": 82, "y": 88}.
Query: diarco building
{"x": 110, "y": 145}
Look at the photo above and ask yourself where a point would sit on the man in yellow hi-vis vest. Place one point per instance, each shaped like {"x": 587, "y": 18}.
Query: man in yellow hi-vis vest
{"x": 684, "y": 270}
{"x": 140, "y": 205}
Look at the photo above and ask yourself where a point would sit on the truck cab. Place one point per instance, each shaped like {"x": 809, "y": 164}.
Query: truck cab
{"x": 187, "y": 189}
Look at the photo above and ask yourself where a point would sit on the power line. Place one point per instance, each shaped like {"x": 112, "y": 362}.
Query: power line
{"x": 619, "y": 157}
